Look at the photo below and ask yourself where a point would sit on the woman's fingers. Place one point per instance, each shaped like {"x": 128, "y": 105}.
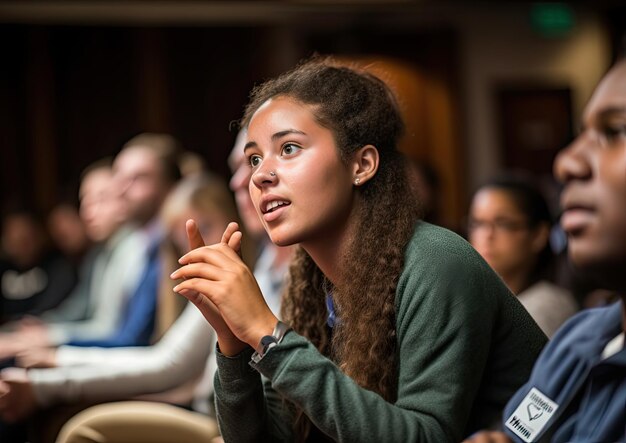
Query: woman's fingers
{"x": 220, "y": 255}
{"x": 193, "y": 235}
{"x": 232, "y": 237}
{"x": 199, "y": 269}
{"x": 229, "y": 231}
{"x": 235, "y": 242}
{"x": 202, "y": 302}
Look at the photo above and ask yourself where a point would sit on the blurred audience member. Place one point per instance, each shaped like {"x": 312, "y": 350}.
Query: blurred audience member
{"x": 191, "y": 163}
{"x": 114, "y": 274}
{"x": 33, "y": 276}
{"x": 68, "y": 232}
{"x": 128, "y": 276}
{"x": 146, "y": 169}
{"x": 577, "y": 390}
{"x": 143, "y": 173}
{"x": 509, "y": 225}
{"x": 176, "y": 361}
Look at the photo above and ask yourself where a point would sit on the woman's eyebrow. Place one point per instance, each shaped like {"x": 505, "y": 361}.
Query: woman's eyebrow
{"x": 281, "y": 134}
{"x": 275, "y": 136}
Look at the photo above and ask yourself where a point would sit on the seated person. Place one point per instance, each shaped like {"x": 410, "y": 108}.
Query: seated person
{"x": 34, "y": 277}
{"x": 577, "y": 390}
{"x": 509, "y": 225}
{"x": 179, "y": 358}
{"x": 401, "y": 331}
{"x": 116, "y": 269}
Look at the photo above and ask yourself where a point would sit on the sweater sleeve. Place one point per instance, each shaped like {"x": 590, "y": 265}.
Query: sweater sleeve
{"x": 248, "y": 411}
{"x": 444, "y": 330}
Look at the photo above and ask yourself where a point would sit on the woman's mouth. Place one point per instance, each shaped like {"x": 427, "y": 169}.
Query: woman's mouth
{"x": 273, "y": 208}
{"x": 273, "y": 205}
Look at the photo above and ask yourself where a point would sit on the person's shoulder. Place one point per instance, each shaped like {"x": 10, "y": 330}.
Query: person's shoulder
{"x": 588, "y": 323}
{"x": 433, "y": 245}
{"x": 545, "y": 287}
{"x": 437, "y": 259}
{"x": 429, "y": 237}
{"x": 549, "y": 295}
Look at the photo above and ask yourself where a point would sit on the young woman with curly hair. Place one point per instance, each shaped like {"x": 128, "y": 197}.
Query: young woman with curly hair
{"x": 401, "y": 332}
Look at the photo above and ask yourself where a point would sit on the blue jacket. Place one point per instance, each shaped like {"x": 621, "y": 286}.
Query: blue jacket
{"x": 137, "y": 324}
{"x": 579, "y": 396}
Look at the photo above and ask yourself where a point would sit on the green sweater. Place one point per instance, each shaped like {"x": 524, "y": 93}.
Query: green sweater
{"x": 465, "y": 345}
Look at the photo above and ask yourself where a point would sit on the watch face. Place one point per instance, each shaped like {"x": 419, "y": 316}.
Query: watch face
{"x": 267, "y": 341}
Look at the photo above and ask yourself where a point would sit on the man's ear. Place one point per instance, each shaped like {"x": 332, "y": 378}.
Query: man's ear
{"x": 364, "y": 164}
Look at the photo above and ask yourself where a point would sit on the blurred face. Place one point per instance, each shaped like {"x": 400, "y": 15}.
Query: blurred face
{"x": 22, "y": 240}
{"x": 593, "y": 170}
{"x": 300, "y": 187}
{"x": 101, "y": 206}
{"x": 239, "y": 184}
{"x": 499, "y": 231}
{"x": 138, "y": 171}
{"x": 67, "y": 229}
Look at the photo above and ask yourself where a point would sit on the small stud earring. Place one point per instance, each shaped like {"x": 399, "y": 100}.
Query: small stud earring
{"x": 357, "y": 181}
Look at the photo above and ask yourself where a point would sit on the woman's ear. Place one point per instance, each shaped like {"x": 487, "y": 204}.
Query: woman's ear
{"x": 364, "y": 164}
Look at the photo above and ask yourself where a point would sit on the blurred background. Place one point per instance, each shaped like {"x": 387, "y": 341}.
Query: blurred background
{"x": 484, "y": 86}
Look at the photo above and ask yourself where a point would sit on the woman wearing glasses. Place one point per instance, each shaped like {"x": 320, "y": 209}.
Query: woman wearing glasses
{"x": 510, "y": 227}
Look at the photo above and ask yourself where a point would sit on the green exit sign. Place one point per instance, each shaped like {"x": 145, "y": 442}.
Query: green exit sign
{"x": 552, "y": 19}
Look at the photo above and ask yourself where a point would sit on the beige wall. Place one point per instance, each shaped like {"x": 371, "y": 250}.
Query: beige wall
{"x": 499, "y": 46}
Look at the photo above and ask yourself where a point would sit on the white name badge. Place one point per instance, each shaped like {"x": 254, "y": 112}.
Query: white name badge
{"x": 531, "y": 416}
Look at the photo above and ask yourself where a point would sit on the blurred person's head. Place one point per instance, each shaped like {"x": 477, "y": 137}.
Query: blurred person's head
{"x": 593, "y": 170}
{"x": 67, "y": 230}
{"x": 24, "y": 239}
{"x": 191, "y": 163}
{"x": 102, "y": 208}
{"x": 147, "y": 168}
{"x": 241, "y": 173}
{"x": 509, "y": 225}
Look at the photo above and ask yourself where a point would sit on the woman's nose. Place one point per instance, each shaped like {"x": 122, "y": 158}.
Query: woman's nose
{"x": 264, "y": 176}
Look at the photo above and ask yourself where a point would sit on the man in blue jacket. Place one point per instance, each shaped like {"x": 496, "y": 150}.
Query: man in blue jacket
{"x": 577, "y": 390}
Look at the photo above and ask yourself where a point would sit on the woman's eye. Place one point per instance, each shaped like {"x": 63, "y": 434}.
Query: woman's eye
{"x": 255, "y": 160}
{"x": 290, "y": 149}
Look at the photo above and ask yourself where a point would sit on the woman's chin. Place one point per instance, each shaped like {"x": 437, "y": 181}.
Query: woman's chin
{"x": 280, "y": 240}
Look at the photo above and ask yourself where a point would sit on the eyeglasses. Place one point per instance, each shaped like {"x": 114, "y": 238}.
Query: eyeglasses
{"x": 499, "y": 225}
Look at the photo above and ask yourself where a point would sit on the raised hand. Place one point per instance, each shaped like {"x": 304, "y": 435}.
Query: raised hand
{"x": 224, "y": 289}
{"x": 228, "y": 342}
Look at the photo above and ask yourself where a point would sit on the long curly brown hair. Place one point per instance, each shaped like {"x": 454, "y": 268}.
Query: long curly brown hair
{"x": 360, "y": 110}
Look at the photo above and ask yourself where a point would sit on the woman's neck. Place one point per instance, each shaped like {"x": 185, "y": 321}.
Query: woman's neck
{"x": 328, "y": 249}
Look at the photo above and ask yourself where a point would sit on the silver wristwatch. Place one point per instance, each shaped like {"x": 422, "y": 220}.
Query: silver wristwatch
{"x": 269, "y": 341}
